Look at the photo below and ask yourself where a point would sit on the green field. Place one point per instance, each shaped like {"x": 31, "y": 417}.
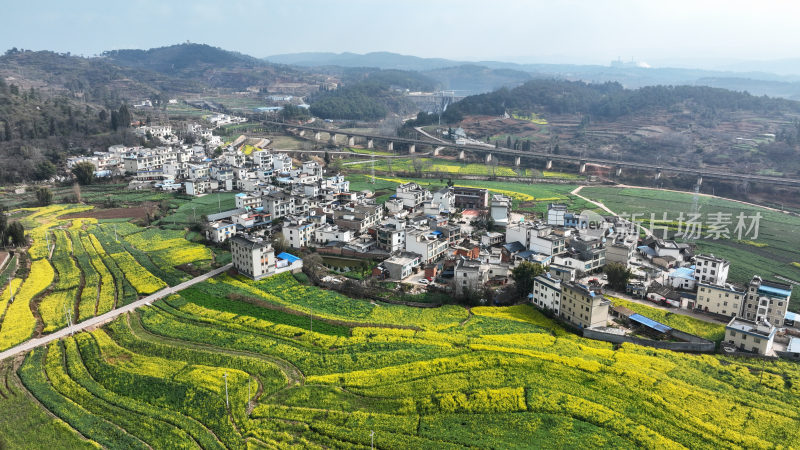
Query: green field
{"x": 526, "y": 197}
{"x": 778, "y": 242}
{"x": 191, "y": 211}
{"x": 443, "y": 167}
{"x": 491, "y": 377}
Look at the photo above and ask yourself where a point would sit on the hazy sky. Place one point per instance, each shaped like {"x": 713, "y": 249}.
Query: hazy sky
{"x": 660, "y": 32}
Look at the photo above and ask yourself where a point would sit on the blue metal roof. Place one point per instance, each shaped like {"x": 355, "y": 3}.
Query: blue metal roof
{"x": 683, "y": 272}
{"x": 792, "y": 316}
{"x": 774, "y": 291}
{"x": 650, "y": 323}
{"x": 288, "y": 257}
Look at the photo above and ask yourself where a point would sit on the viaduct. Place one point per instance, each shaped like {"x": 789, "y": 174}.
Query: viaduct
{"x": 490, "y": 152}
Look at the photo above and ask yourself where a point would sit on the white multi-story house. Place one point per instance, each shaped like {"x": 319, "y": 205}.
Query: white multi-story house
{"x": 547, "y": 293}
{"x": 358, "y": 218}
{"x": 722, "y": 300}
{"x": 331, "y": 233}
{"x": 425, "y": 243}
{"x": 234, "y": 158}
{"x": 262, "y": 159}
{"x": 280, "y": 204}
{"x": 254, "y": 258}
{"x": 247, "y": 201}
{"x": 145, "y": 161}
{"x": 621, "y": 249}
{"x": 401, "y": 266}
{"x": 281, "y": 162}
{"x": 198, "y": 171}
{"x": 198, "y": 187}
{"x": 220, "y": 231}
{"x": 709, "y": 269}
{"x": 499, "y": 209}
{"x": 750, "y": 336}
{"x": 556, "y": 213}
{"x": 391, "y": 236}
{"x": 766, "y": 300}
{"x": 298, "y": 233}
{"x": 537, "y": 237}
{"x": 469, "y": 276}
{"x": 411, "y": 195}
{"x": 583, "y": 307}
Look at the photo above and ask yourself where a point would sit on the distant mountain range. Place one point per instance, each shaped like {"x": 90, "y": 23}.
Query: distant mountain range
{"x": 739, "y": 78}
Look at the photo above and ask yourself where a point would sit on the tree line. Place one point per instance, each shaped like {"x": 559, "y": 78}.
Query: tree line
{"x": 609, "y": 101}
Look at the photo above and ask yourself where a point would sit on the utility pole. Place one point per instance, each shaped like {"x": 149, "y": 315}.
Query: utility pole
{"x": 115, "y": 233}
{"x": 194, "y": 214}
{"x": 248, "y": 392}
{"x": 225, "y": 375}
{"x": 219, "y": 203}
{"x": 372, "y": 439}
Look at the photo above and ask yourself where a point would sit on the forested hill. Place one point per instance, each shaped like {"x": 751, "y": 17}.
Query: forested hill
{"x": 176, "y": 59}
{"x": 370, "y": 95}
{"x": 609, "y": 101}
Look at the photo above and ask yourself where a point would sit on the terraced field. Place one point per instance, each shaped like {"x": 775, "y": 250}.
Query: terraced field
{"x": 232, "y": 363}
{"x": 81, "y": 268}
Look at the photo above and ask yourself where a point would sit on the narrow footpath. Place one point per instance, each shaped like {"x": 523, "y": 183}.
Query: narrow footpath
{"x": 109, "y": 316}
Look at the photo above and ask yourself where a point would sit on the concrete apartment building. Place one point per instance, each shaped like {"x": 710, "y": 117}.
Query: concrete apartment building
{"x": 582, "y": 307}
{"x": 722, "y": 300}
{"x": 709, "y": 269}
{"x": 254, "y": 258}
{"x": 547, "y": 293}
{"x": 766, "y": 300}
{"x": 750, "y": 336}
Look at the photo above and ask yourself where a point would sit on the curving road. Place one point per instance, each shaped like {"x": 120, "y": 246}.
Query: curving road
{"x": 109, "y": 316}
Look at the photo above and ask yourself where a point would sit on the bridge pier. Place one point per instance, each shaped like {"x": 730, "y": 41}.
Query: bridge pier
{"x": 461, "y": 155}
{"x": 619, "y": 171}
{"x": 517, "y": 161}
{"x": 317, "y": 136}
{"x": 699, "y": 181}
{"x": 412, "y": 148}
{"x": 488, "y": 158}
{"x": 390, "y": 147}
{"x": 351, "y": 141}
{"x": 583, "y": 167}
{"x": 332, "y": 140}
{"x": 370, "y": 143}
{"x": 549, "y": 164}
{"x": 302, "y": 133}
{"x": 658, "y": 174}
{"x": 436, "y": 151}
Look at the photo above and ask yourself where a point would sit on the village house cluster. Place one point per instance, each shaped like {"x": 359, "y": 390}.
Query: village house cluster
{"x": 463, "y": 240}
